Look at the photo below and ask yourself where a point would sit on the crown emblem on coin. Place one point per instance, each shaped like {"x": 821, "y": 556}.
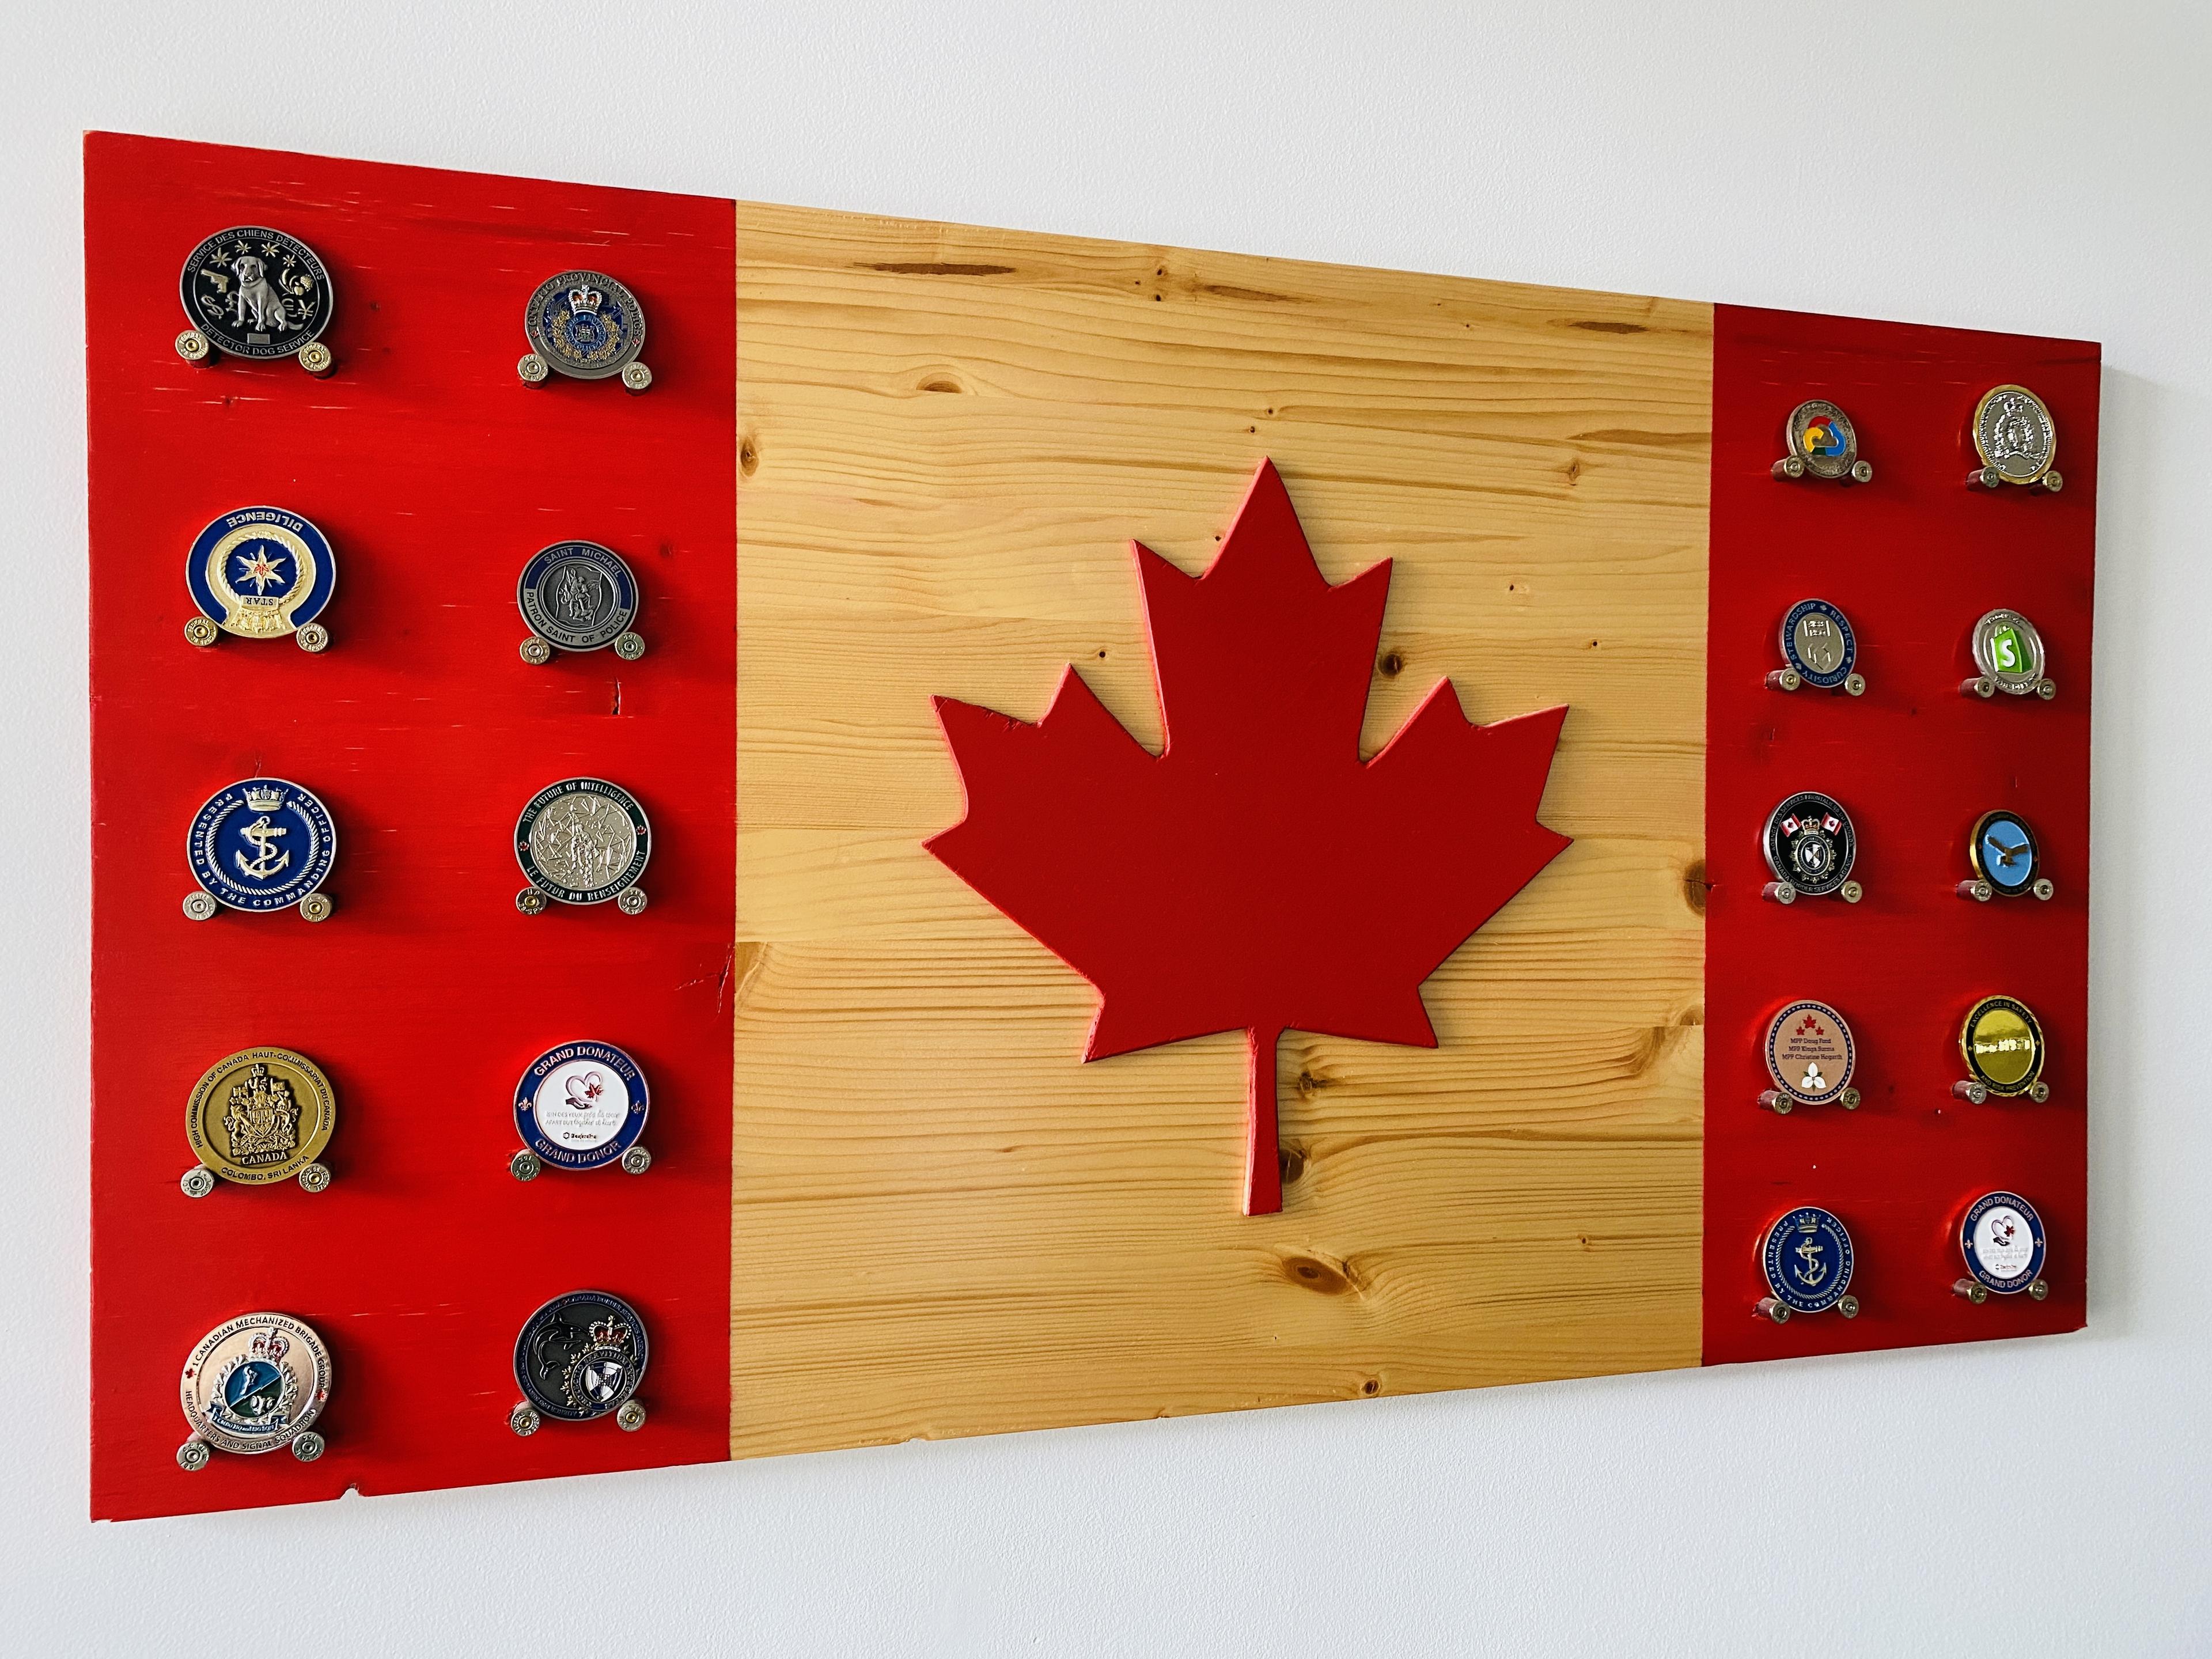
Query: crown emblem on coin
{"x": 271, "y": 1346}
{"x": 609, "y": 1332}
{"x": 264, "y": 799}
{"x": 585, "y": 300}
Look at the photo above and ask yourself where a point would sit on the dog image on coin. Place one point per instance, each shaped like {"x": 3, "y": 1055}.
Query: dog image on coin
{"x": 257, "y": 295}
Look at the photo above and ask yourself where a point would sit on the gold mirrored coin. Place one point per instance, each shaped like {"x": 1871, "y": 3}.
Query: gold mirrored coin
{"x": 2002, "y": 1042}
{"x": 260, "y": 1116}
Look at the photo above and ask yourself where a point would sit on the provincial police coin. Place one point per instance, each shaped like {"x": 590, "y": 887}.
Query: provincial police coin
{"x": 2002, "y": 850}
{"x": 263, "y": 844}
{"x": 2001, "y": 1238}
{"x": 254, "y": 1384}
{"x": 1809, "y": 1053}
{"x": 261, "y": 573}
{"x": 261, "y": 1116}
{"x": 1807, "y": 1260}
{"x": 580, "y": 1356}
{"x": 254, "y": 292}
{"x": 583, "y": 841}
{"x": 1809, "y": 842}
{"x": 2014, "y": 434}
{"x": 2003, "y": 1045}
{"x": 580, "y": 596}
{"x": 1818, "y": 642}
{"x": 2009, "y": 650}
{"x": 582, "y": 1105}
{"x": 1821, "y": 436}
{"x": 585, "y": 324}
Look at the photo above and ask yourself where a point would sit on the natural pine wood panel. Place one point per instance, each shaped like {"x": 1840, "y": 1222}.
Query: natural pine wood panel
{"x": 943, "y": 1223}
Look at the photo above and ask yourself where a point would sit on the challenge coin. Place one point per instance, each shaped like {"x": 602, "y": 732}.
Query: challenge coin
{"x": 582, "y": 840}
{"x": 2001, "y": 1238}
{"x": 1820, "y": 441}
{"x": 2016, "y": 437}
{"x": 585, "y": 324}
{"x": 578, "y": 596}
{"x": 2010, "y": 651}
{"x": 580, "y": 1357}
{"x": 2003, "y": 1045}
{"x": 261, "y": 844}
{"x": 254, "y": 1384}
{"x": 1808, "y": 1261}
{"x": 260, "y": 1116}
{"x": 1819, "y": 647}
{"x": 1810, "y": 1055}
{"x": 582, "y": 1106}
{"x": 259, "y": 573}
{"x": 253, "y": 292}
{"x": 2003, "y": 852}
{"x": 1810, "y": 844}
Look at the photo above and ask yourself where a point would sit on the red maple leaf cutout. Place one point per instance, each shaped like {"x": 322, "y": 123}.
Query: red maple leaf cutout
{"x": 1256, "y": 874}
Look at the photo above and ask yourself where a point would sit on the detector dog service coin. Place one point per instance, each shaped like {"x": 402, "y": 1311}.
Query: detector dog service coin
{"x": 1807, "y": 1261}
{"x": 255, "y": 1384}
{"x": 2001, "y": 1237}
{"x": 579, "y": 596}
{"x": 582, "y": 1105}
{"x": 1809, "y": 1053}
{"x": 1817, "y": 641}
{"x": 580, "y": 1357}
{"x": 262, "y": 844}
{"x": 586, "y": 325}
{"x": 583, "y": 841}
{"x": 261, "y": 573}
{"x": 2015, "y": 436}
{"x": 2002, "y": 1043}
{"x": 260, "y": 1116}
{"x": 1810, "y": 844}
{"x": 257, "y": 292}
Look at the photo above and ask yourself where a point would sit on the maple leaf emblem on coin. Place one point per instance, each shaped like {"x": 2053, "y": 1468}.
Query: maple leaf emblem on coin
{"x": 1256, "y": 875}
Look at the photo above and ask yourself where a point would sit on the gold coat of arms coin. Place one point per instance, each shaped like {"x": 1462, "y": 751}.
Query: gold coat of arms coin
{"x": 260, "y": 1116}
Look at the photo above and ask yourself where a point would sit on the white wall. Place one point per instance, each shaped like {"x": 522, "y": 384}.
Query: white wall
{"x": 2003, "y": 165}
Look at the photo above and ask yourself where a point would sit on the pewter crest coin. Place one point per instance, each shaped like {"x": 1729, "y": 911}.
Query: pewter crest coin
{"x": 2001, "y": 1238}
{"x": 2002, "y": 850}
{"x": 582, "y": 1356}
{"x": 256, "y": 292}
{"x": 255, "y": 1383}
{"x": 1821, "y": 436}
{"x": 261, "y": 573}
{"x": 2002, "y": 1043}
{"x": 1807, "y": 1261}
{"x": 262, "y": 844}
{"x": 583, "y": 841}
{"x": 1809, "y": 1053}
{"x": 2014, "y": 434}
{"x": 1818, "y": 642}
{"x": 260, "y": 1116}
{"x": 577, "y": 596}
{"x": 1809, "y": 842}
{"x": 2009, "y": 650}
{"x": 582, "y": 1105}
{"x": 585, "y": 324}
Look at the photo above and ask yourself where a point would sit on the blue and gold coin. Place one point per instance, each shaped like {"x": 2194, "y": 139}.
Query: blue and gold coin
{"x": 1806, "y": 1258}
{"x": 261, "y": 573}
{"x": 2002, "y": 1043}
{"x": 1818, "y": 642}
{"x": 582, "y": 1105}
{"x": 586, "y": 325}
{"x": 257, "y": 292}
{"x": 2003, "y": 852}
{"x": 580, "y": 1357}
{"x": 583, "y": 841}
{"x": 255, "y": 1384}
{"x": 579, "y": 596}
{"x": 262, "y": 844}
{"x": 1810, "y": 844}
{"x": 2001, "y": 1237}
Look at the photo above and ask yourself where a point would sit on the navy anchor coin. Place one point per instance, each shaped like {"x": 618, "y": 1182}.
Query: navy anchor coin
{"x": 1806, "y": 1258}
{"x": 581, "y": 1106}
{"x": 261, "y": 844}
{"x": 585, "y": 324}
{"x": 255, "y": 293}
{"x": 259, "y": 573}
{"x": 579, "y": 1358}
{"x": 578, "y": 596}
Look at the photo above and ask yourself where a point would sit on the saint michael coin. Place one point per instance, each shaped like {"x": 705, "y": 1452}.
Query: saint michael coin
{"x": 586, "y": 325}
{"x": 1820, "y": 441}
{"x": 2002, "y": 1043}
{"x": 578, "y": 596}
{"x": 1810, "y": 1055}
{"x": 2003, "y": 852}
{"x": 1819, "y": 647}
{"x": 255, "y": 1384}
{"x": 583, "y": 1106}
{"x": 260, "y": 1116}
{"x": 261, "y": 844}
{"x": 580, "y": 1357}
{"x": 2015, "y": 438}
{"x": 2001, "y": 1237}
{"x": 253, "y": 292}
{"x": 1810, "y": 844}
{"x": 2010, "y": 651}
{"x": 1806, "y": 1258}
{"x": 259, "y": 573}
{"x": 582, "y": 840}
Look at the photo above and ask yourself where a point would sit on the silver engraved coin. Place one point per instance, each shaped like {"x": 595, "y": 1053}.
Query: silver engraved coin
{"x": 580, "y": 596}
{"x": 2014, "y": 434}
{"x": 583, "y": 841}
{"x": 254, "y": 292}
{"x": 2009, "y": 650}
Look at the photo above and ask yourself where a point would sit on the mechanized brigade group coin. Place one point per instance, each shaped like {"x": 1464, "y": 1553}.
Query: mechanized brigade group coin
{"x": 259, "y": 1116}
{"x": 2003, "y": 852}
{"x": 1810, "y": 1055}
{"x": 580, "y": 1357}
{"x": 1807, "y": 1260}
{"x": 254, "y": 1384}
{"x": 1822, "y": 440}
{"x": 2001, "y": 1238}
{"x": 261, "y": 573}
{"x": 586, "y": 325}
{"x": 257, "y": 292}
{"x": 1817, "y": 641}
{"x": 578, "y": 596}
{"x": 2016, "y": 437}
{"x": 583, "y": 1106}
{"x": 261, "y": 844}
{"x": 582, "y": 840}
{"x": 2009, "y": 650}
{"x": 1810, "y": 844}
{"x": 2002, "y": 1043}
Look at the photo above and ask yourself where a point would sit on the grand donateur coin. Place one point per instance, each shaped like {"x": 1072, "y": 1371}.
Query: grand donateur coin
{"x": 581, "y": 1106}
{"x": 253, "y": 292}
{"x": 260, "y": 1116}
{"x": 1809, "y": 1057}
{"x": 1806, "y": 1259}
{"x": 2010, "y": 654}
{"x": 1819, "y": 648}
{"x": 255, "y": 1384}
{"x": 2005, "y": 856}
{"x": 260, "y": 573}
{"x": 579, "y": 1357}
{"x": 1810, "y": 846}
{"x": 2002, "y": 1044}
{"x": 586, "y": 325}
{"x": 582, "y": 840}
{"x": 2015, "y": 438}
{"x": 578, "y": 596}
{"x": 2001, "y": 1237}
{"x": 262, "y": 844}
{"x": 1820, "y": 443}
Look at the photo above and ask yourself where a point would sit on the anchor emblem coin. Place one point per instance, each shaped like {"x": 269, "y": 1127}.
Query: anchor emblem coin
{"x": 2001, "y": 1238}
{"x": 1807, "y": 1261}
{"x": 585, "y": 324}
{"x": 261, "y": 844}
{"x": 254, "y": 292}
{"x": 1810, "y": 1055}
{"x": 582, "y": 840}
{"x": 260, "y": 1116}
{"x": 578, "y": 596}
{"x": 2016, "y": 437}
{"x": 1819, "y": 646}
{"x": 2003, "y": 1045}
{"x": 259, "y": 573}
{"x": 2003, "y": 852}
{"x": 579, "y": 1357}
{"x": 2010, "y": 651}
{"x": 254, "y": 1384}
{"x": 1810, "y": 844}
{"x": 1821, "y": 441}
{"x": 583, "y": 1106}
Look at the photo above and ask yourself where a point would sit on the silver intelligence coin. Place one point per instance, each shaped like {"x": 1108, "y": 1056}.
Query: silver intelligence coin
{"x": 254, "y": 292}
{"x": 2009, "y": 650}
{"x": 585, "y": 324}
{"x": 2014, "y": 434}
{"x": 583, "y": 841}
{"x": 580, "y": 596}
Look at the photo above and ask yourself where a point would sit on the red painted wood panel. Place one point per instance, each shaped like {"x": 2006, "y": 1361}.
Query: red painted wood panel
{"x": 1913, "y": 558}
{"x": 436, "y": 473}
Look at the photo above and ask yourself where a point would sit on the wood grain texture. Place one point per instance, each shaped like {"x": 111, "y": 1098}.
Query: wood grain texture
{"x": 945, "y": 1223}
